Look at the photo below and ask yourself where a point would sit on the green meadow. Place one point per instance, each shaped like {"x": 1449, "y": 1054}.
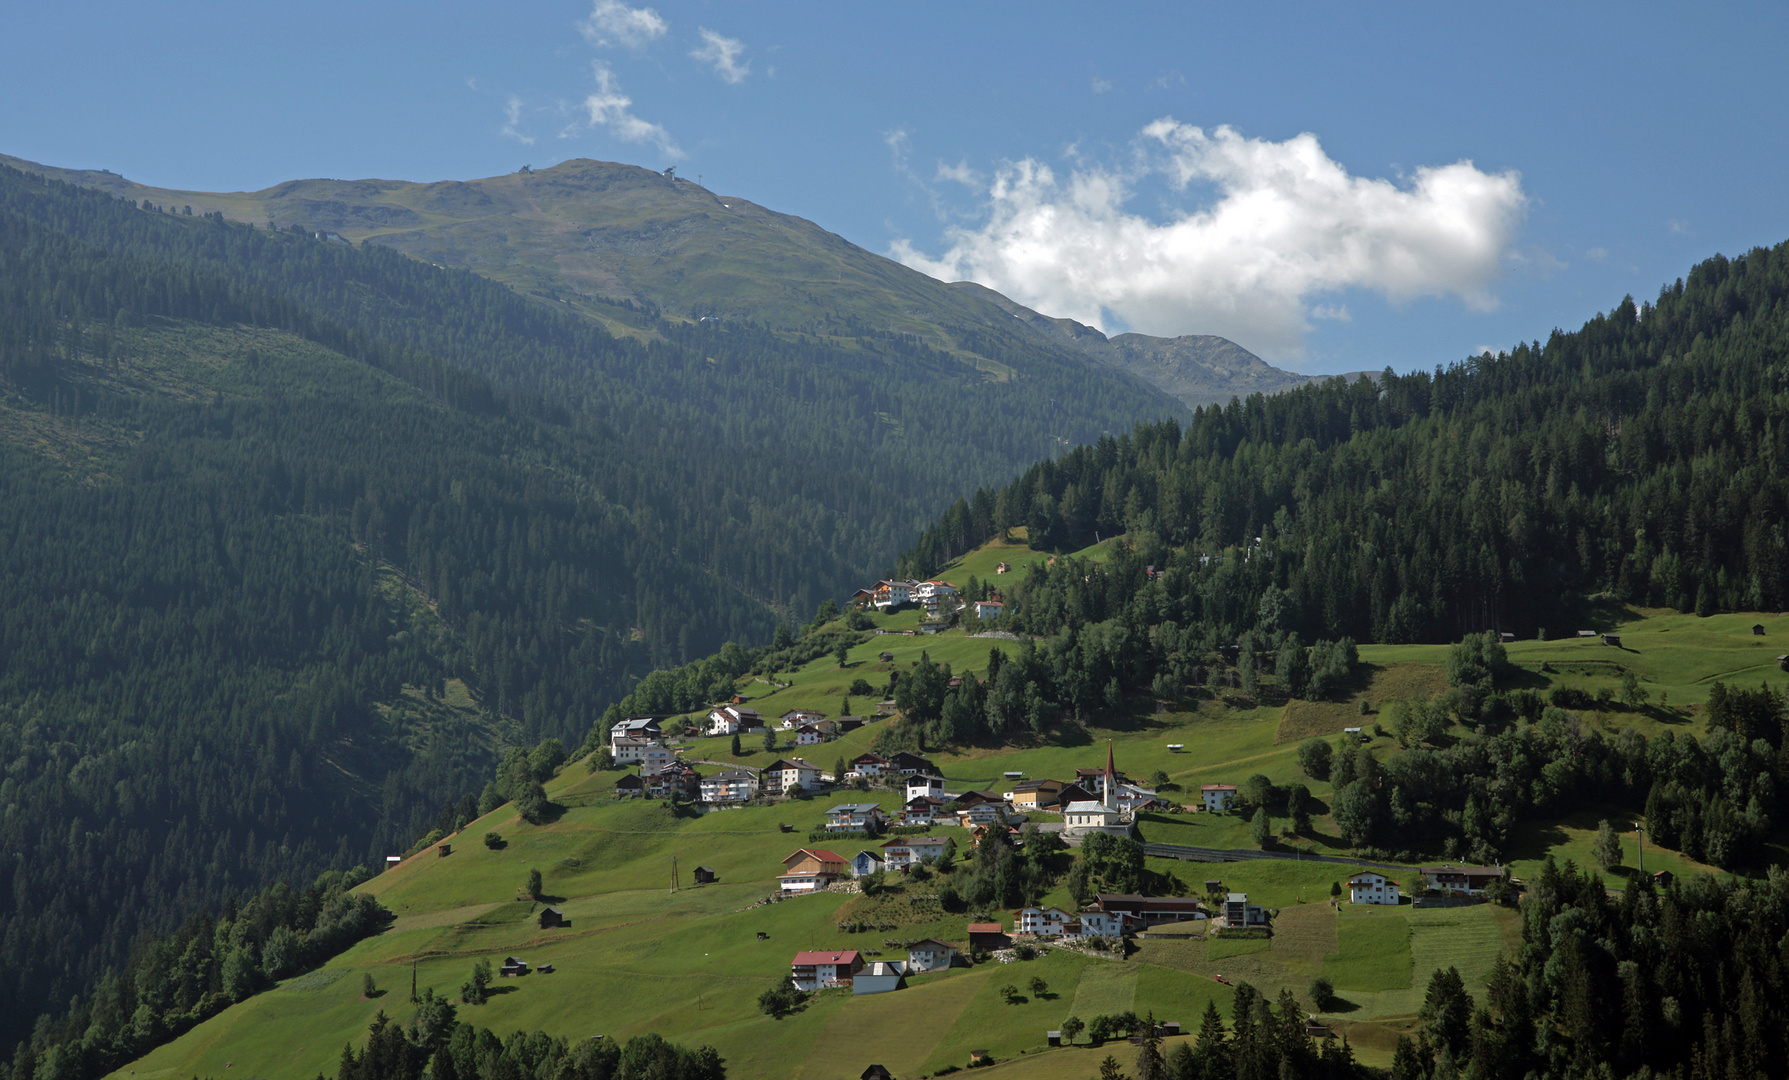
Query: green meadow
{"x": 648, "y": 951}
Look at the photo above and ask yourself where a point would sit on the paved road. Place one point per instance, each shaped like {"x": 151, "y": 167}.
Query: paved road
{"x": 1198, "y": 854}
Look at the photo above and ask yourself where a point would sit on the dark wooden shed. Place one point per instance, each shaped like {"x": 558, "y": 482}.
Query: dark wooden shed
{"x": 551, "y": 917}
{"x": 705, "y": 875}
{"x": 444, "y": 851}
{"x": 1612, "y": 639}
{"x": 1758, "y": 629}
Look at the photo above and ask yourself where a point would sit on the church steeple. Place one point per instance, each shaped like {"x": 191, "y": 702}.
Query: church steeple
{"x": 1110, "y": 798}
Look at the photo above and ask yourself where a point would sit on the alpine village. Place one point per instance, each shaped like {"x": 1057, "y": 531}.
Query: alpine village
{"x": 418, "y": 665}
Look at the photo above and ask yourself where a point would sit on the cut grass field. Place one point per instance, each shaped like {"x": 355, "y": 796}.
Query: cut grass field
{"x": 688, "y": 965}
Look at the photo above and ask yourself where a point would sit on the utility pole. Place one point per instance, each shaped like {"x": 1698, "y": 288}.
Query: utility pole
{"x": 673, "y": 873}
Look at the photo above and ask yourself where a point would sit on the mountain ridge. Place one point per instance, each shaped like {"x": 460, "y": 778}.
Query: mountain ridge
{"x": 613, "y": 241}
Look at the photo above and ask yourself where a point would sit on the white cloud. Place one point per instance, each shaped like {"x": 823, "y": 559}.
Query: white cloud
{"x": 613, "y": 23}
{"x": 512, "y": 119}
{"x": 724, "y": 53}
{"x": 611, "y": 109}
{"x": 1285, "y": 224}
{"x": 1333, "y": 312}
{"x": 1598, "y": 253}
{"x": 961, "y": 173}
{"x": 1102, "y": 86}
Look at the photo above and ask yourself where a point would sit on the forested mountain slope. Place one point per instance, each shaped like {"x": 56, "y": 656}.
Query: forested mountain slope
{"x": 296, "y": 534}
{"x": 1641, "y": 456}
{"x": 623, "y": 244}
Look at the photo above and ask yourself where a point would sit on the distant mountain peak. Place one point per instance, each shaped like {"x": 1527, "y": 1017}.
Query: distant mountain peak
{"x": 589, "y": 234}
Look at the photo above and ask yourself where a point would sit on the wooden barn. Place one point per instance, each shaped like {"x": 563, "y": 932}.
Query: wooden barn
{"x": 705, "y": 875}
{"x": 552, "y": 917}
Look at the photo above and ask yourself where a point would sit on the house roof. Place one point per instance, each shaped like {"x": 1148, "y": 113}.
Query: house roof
{"x": 855, "y": 808}
{"x": 805, "y": 959}
{"x": 1217, "y": 787}
{"x": 734, "y": 774}
{"x": 931, "y": 941}
{"x": 917, "y": 841}
{"x": 1468, "y": 871}
{"x": 791, "y": 763}
{"x": 868, "y": 759}
{"x": 1035, "y": 785}
{"x": 1365, "y": 875}
{"x": 882, "y": 968}
{"x": 822, "y": 854}
{"x": 1088, "y": 808}
{"x": 986, "y": 928}
{"x": 870, "y": 853}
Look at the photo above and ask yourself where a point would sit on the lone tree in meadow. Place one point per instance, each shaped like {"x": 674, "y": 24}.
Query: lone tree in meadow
{"x": 1261, "y": 828}
{"x": 1072, "y": 1027}
{"x": 736, "y": 744}
{"x": 477, "y": 989}
{"x": 534, "y": 885}
{"x": 1606, "y": 848}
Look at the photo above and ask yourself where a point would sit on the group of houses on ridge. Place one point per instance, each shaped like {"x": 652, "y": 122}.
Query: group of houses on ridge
{"x": 937, "y": 598}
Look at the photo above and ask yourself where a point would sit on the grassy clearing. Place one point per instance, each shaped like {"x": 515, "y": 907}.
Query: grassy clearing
{"x": 1373, "y": 952}
{"x": 1105, "y": 988}
{"x": 1571, "y": 838}
{"x": 1385, "y": 682}
{"x": 1226, "y": 948}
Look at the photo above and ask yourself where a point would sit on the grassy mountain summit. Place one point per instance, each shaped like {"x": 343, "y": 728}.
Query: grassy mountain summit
{"x": 592, "y": 235}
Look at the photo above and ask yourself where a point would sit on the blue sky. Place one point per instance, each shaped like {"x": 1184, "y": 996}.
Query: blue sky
{"x": 1334, "y": 189}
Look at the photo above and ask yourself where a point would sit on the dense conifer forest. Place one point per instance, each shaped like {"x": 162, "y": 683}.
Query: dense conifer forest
{"x": 1640, "y": 457}
{"x": 299, "y": 536}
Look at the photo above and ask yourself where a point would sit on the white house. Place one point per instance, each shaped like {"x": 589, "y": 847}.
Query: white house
{"x": 809, "y": 735}
{"x": 847, "y": 817}
{"x": 981, "y": 813}
{"x": 879, "y": 978}
{"x": 866, "y": 765}
{"x": 865, "y": 863}
{"x": 812, "y": 970}
{"x": 922, "y": 811}
{"x": 1101, "y": 923}
{"x": 937, "y": 597}
{"x": 904, "y": 851}
{"x": 733, "y": 719}
{"x": 918, "y": 785}
{"x": 929, "y": 955}
{"x": 641, "y": 727}
{"x": 634, "y": 750}
{"x": 1218, "y": 796}
{"x": 794, "y": 718}
{"x": 893, "y": 593}
{"x": 787, "y": 773}
{"x": 1044, "y": 922}
{"x": 730, "y": 785}
{"x": 989, "y": 609}
{"x": 1371, "y": 888}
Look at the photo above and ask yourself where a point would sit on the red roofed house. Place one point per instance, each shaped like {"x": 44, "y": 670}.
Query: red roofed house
{"x": 987, "y": 935}
{"x": 812, "y": 970}
{"x": 1371, "y": 888}
{"x": 1218, "y": 796}
{"x": 812, "y": 869}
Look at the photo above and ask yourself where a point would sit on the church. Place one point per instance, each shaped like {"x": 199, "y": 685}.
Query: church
{"x": 1081, "y": 818}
